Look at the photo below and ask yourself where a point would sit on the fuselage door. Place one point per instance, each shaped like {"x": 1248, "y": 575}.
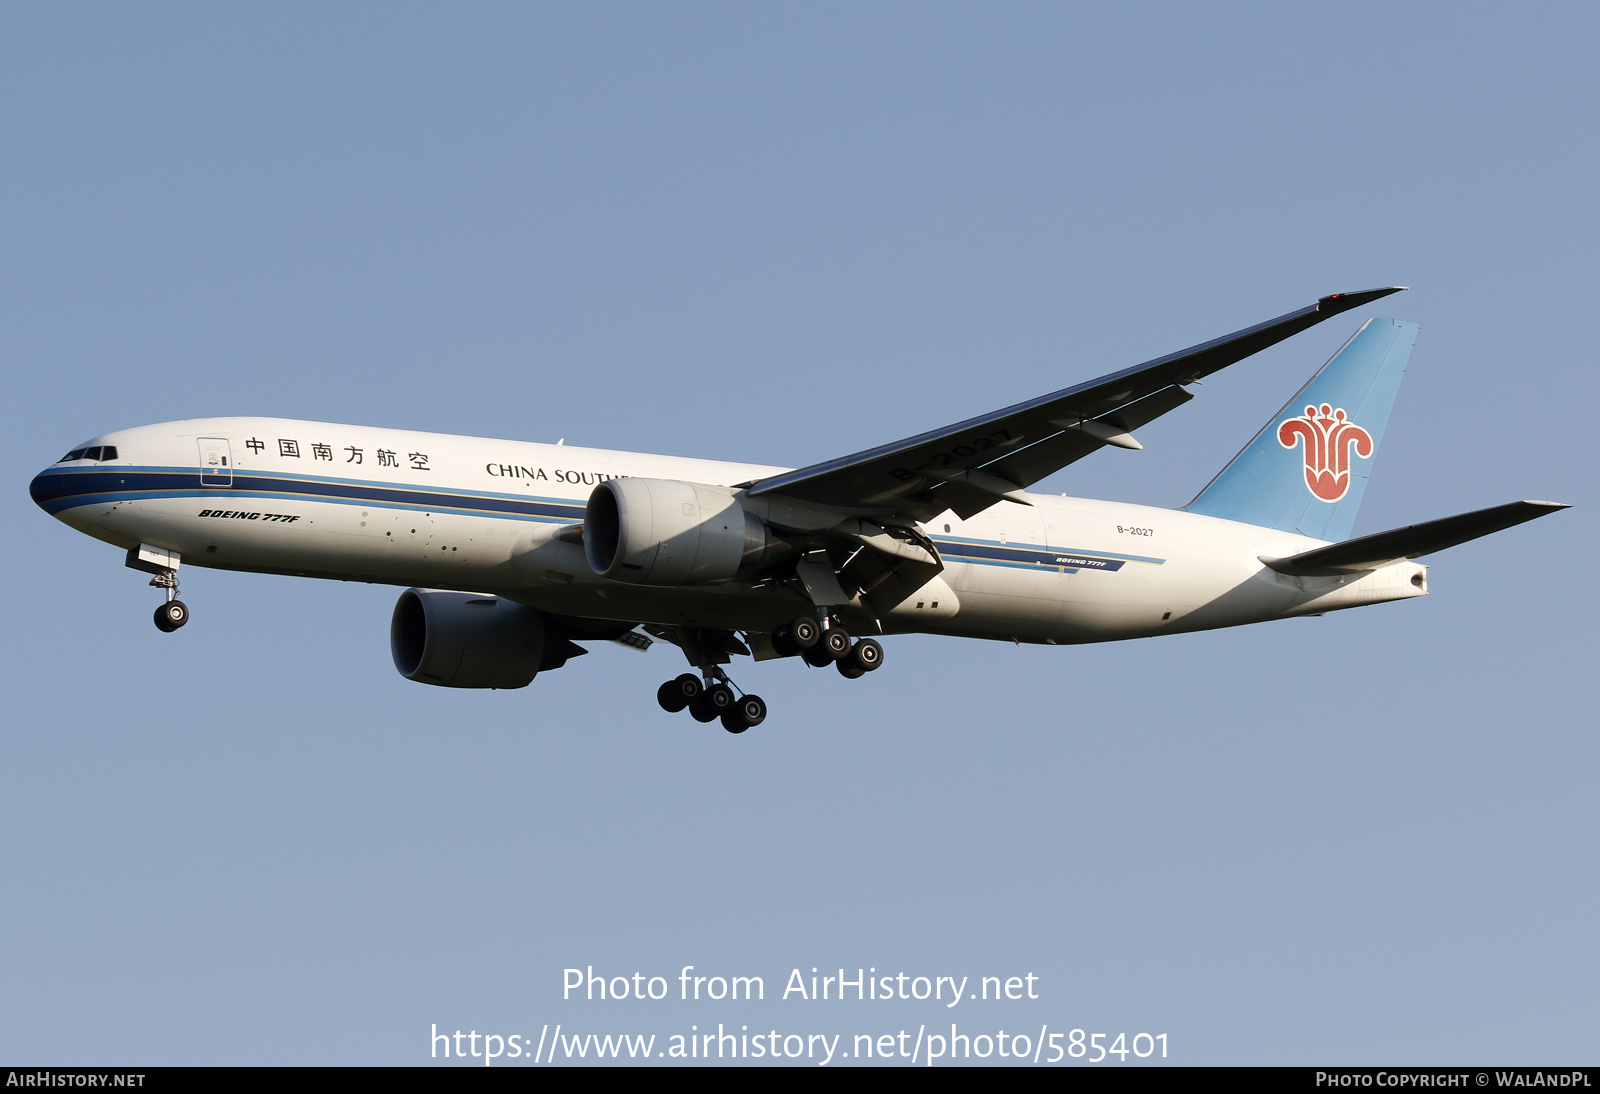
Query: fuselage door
{"x": 216, "y": 462}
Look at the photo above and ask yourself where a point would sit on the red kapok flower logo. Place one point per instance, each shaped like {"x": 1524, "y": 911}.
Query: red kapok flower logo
{"x": 1329, "y": 440}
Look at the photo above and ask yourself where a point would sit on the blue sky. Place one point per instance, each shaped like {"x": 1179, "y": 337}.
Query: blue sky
{"x": 781, "y": 234}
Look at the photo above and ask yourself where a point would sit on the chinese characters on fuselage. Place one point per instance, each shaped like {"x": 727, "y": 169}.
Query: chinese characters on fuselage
{"x": 289, "y": 448}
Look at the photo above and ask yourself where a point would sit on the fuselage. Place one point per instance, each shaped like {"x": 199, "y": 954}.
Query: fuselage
{"x": 357, "y": 503}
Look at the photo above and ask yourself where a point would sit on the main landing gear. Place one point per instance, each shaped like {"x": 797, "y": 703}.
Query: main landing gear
{"x": 711, "y": 700}
{"x": 820, "y": 647}
{"x": 711, "y": 696}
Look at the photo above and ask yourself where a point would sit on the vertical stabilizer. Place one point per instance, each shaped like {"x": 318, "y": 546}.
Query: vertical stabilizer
{"x": 1307, "y": 469}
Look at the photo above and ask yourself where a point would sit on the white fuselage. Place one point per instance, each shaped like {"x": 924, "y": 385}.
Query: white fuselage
{"x": 396, "y": 507}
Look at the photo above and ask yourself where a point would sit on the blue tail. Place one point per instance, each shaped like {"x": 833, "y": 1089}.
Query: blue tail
{"x": 1308, "y": 467}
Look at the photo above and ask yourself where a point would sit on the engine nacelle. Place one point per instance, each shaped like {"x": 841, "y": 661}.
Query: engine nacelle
{"x": 662, "y": 532}
{"x": 466, "y": 640}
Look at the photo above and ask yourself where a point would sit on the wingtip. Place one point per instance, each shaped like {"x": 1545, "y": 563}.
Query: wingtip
{"x": 1334, "y": 303}
{"x": 1553, "y": 506}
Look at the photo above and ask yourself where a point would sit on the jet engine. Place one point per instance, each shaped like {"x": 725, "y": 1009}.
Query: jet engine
{"x": 661, "y": 532}
{"x": 471, "y": 640}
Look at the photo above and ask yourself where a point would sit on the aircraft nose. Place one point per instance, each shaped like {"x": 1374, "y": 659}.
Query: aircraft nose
{"x": 45, "y": 488}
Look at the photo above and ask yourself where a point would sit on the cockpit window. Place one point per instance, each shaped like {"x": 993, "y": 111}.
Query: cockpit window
{"x": 101, "y": 452}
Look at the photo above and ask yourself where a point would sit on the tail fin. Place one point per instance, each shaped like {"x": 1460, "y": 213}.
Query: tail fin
{"x": 1307, "y": 469}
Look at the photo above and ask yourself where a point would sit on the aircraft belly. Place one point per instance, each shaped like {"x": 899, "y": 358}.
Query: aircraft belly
{"x": 104, "y": 522}
{"x": 729, "y": 607}
{"x": 1006, "y": 601}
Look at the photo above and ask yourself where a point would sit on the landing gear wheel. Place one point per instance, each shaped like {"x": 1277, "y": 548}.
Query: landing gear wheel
{"x": 817, "y": 657}
{"x": 804, "y": 632}
{"x": 782, "y": 644}
{"x": 719, "y": 698}
{"x": 172, "y": 615}
{"x": 868, "y": 654}
{"x": 747, "y": 712}
{"x": 849, "y": 669}
{"x": 712, "y": 703}
{"x": 674, "y": 695}
{"x": 836, "y": 640}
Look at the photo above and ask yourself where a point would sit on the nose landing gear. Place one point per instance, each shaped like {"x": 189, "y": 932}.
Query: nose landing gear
{"x": 162, "y": 565}
{"x": 174, "y": 613}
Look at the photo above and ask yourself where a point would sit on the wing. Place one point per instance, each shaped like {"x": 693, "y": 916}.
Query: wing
{"x": 971, "y": 465}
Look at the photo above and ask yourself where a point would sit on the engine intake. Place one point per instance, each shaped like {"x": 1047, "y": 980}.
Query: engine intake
{"x": 663, "y": 532}
{"x": 467, "y": 640}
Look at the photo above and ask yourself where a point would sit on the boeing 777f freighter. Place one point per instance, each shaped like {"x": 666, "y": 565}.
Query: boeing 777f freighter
{"x": 516, "y": 552}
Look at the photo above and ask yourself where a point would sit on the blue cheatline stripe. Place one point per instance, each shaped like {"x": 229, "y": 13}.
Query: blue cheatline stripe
{"x": 956, "y": 541}
{"x": 58, "y": 491}
{"x": 1015, "y": 565}
{"x": 992, "y": 554}
{"x": 371, "y": 483}
{"x": 72, "y": 488}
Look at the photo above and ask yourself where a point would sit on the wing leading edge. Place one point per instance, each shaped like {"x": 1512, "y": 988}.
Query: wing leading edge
{"x": 971, "y": 465}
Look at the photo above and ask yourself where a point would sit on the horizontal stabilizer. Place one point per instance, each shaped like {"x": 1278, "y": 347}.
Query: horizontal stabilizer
{"x": 1412, "y": 541}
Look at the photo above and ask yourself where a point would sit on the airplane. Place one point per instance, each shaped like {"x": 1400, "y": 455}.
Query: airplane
{"x": 514, "y": 552}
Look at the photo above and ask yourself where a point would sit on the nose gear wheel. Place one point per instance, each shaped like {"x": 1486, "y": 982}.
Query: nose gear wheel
{"x": 172, "y": 615}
